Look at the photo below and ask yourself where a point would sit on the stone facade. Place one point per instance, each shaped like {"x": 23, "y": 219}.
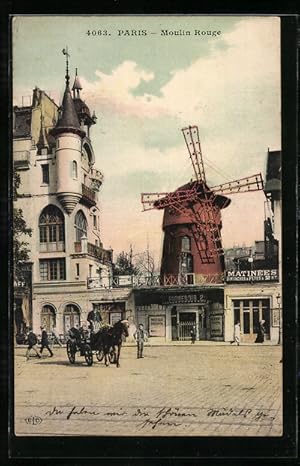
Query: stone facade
{"x": 59, "y": 197}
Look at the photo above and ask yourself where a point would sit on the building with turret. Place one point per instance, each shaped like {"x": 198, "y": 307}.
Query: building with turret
{"x": 70, "y": 270}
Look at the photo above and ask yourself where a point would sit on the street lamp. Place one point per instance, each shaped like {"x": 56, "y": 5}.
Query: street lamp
{"x": 278, "y": 299}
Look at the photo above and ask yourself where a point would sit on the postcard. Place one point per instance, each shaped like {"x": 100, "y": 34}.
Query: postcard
{"x": 147, "y": 226}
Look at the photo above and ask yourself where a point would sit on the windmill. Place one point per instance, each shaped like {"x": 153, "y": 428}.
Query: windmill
{"x": 192, "y": 218}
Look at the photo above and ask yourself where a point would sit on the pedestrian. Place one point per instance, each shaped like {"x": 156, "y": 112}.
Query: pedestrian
{"x": 140, "y": 336}
{"x": 45, "y": 342}
{"x": 237, "y": 334}
{"x": 261, "y": 332}
{"x": 32, "y": 341}
{"x": 193, "y": 335}
{"x": 56, "y": 336}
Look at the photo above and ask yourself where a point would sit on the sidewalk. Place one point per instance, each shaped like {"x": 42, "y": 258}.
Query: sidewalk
{"x": 199, "y": 343}
{"x": 183, "y": 343}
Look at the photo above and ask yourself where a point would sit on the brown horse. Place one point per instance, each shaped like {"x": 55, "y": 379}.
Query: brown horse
{"x": 111, "y": 338}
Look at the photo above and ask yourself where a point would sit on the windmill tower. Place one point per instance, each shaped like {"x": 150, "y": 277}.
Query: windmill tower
{"x": 192, "y": 248}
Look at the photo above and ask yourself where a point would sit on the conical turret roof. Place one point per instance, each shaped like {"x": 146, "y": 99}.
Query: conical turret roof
{"x": 68, "y": 122}
{"x": 77, "y": 83}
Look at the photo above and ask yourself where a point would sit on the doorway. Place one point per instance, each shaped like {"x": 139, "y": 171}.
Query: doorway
{"x": 187, "y": 323}
{"x": 48, "y": 317}
{"x": 71, "y": 317}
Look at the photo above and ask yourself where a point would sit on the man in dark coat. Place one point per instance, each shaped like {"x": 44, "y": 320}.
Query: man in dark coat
{"x": 45, "y": 342}
{"x": 140, "y": 335}
{"x": 32, "y": 341}
{"x": 94, "y": 318}
{"x": 261, "y": 332}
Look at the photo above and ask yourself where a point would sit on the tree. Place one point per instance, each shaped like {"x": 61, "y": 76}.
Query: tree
{"x": 124, "y": 265}
{"x": 144, "y": 264}
{"x": 20, "y": 228}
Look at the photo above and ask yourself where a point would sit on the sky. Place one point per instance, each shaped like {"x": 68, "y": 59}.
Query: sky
{"x": 145, "y": 84}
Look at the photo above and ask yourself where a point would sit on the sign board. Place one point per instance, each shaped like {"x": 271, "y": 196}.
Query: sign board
{"x": 157, "y": 326}
{"x": 275, "y": 317}
{"x": 216, "y": 325}
{"x": 186, "y": 298}
{"x": 125, "y": 280}
{"x": 267, "y": 275}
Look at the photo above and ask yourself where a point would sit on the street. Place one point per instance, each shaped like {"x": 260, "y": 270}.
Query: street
{"x": 189, "y": 390}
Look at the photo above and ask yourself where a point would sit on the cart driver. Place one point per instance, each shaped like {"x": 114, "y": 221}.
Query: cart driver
{"x": 94, "y": 319}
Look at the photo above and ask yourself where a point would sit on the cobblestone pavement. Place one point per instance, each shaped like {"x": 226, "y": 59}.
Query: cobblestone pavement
{"x": 175, "y": 390}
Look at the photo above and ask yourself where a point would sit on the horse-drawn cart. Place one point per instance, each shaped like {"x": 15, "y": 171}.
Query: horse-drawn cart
{"x": 79, "y": 342}
{"x": 105, "y": 344}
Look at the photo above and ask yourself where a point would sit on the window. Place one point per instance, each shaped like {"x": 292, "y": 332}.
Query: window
{"x": 186, "y": 243}
{"x": 95, "y": 221}
{"x": 74, "y": 169}
{"x": 45, "y": 174}
{"x": 250, "y": 312}
{"x": 52, "y": 229}
{"x": 80, "y": 225}
{"x": 52, "y": 269}
{"x": 77, "y": 270}
{"x": 90, "y": 270}
{"x": 186, "y": 263}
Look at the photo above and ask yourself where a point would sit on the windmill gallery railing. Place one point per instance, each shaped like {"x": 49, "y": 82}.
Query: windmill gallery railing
{"x": 132, "y": 281}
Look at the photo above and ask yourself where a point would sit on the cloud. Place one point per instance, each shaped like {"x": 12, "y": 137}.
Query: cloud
{"x": 114, "y": 92}
{"x": 221, "y": 85}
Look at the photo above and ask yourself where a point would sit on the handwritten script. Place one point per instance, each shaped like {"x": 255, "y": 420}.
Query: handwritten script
{"x": 140, "y": 418}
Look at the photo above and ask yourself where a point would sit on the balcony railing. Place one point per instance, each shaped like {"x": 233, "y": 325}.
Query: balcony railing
{"x": 21, "y": 159}
{"x": 101, "y": 254}
{"x": 88, "y": 195}
{"x": 190, "y": 279}
{"x": 96, "y": 178}
{"x": 52, "y": 247}
{"x": 133, "y": 281}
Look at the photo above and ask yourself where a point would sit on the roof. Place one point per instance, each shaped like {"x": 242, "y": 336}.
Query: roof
{"x": 273, "y": 172}
{"x": 22, "y": 126}
{"x": 68, "y": 122}
{"x": 203, "y": 193}
{"x": 77, "y": 84}
{"x": 81, "y": 107}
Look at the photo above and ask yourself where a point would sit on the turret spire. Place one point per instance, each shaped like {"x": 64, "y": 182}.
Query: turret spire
{"x": 76, "y": 86}
{"x": 66, "y": 53}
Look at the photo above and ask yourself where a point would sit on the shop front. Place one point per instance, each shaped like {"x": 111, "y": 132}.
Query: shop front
{"x": 111, "y": 312}
{"x": 251, "y": 301}
{"x": 172, "y": 314}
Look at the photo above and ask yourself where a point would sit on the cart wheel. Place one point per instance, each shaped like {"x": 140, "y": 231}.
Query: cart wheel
{"x": 100, "y": 355}
{"x": 88, "y": 355}
{"x": 71, "y": 351}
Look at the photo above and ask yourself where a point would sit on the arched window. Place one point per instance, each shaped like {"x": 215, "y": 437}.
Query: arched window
{"x": 74, "y": 169}
{"x": 52, "y": 229}
{"x": 71, "y": 317}
{"x": 186, "y": 243}
{"x": 48, "y": 317}
{"x": 80, "y": 225}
